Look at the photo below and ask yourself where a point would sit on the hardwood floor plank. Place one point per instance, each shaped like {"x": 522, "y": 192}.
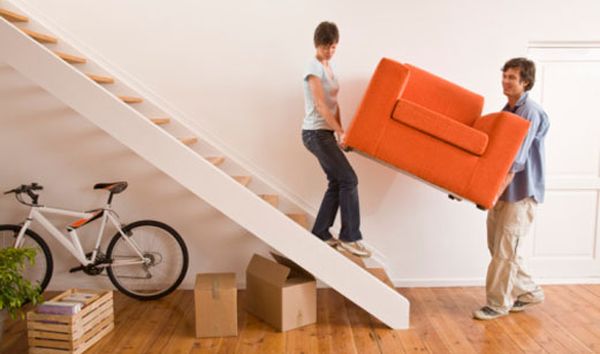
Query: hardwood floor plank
{"x": 149, "y": 327}
{"x": 128, "y": 311}
{"x": 505, "y": 325}
{"x": 535, "y": 324}
{"x": 561, "y": 309}
{"x": 178, "y": 329}
{"x": 302, "y": 340}
{"x": 567, "y": 322}
{"x": 421, "y": 322}
{"x": 444, "y": 324}
{"x": 324, "y": 330}
{"x": 342, "y": 337}
{"x": 229, "y": 344}
{"x": 409, "y": 339}
{"x": 362, "y": 331}
{"x": 594, "y": 289}
{"x": 399, "y": 341}
{"x": 258, "y": 337}
{"x": 484, "y": 336}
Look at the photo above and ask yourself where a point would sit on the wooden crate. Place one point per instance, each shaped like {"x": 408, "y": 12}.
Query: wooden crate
{"x": 61, "y": 334}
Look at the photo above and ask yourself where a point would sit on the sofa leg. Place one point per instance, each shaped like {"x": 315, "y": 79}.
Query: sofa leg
{"x": 481, "y": 207}
{"x": 453, "y": 197}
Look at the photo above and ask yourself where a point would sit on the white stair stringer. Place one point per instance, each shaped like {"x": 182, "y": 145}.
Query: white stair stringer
{"x": 218, "y": 189}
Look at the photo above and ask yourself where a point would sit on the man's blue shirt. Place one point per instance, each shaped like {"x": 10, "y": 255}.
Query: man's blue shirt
{"x": 529, "y": 164}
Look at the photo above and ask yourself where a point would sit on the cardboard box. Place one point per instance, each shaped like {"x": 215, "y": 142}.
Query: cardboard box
{"x": 280, "y": 293}
{"x": 215, "y": 299}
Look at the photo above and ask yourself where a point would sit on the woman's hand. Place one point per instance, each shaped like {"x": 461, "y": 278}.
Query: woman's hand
{"x": 341, "y": 137}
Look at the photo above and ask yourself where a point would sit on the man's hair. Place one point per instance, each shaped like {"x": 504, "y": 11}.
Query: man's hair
{"x": 326, "y": 33}
{"x": 526, "y": 70}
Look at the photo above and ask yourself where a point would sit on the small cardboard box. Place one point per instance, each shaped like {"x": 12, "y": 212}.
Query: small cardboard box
{"x": 280, "y": 293}
{"x": 215, "y": 299}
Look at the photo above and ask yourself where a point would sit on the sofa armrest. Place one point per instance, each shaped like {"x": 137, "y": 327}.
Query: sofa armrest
{"x": 506, "y": 133}
{"x": 442, "y": 96}
{"x": 440, "y": 127}
{"x": 372, "y": 115}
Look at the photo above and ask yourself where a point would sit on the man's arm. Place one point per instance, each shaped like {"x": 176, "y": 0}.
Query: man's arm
{"x": 507, "y": 181}
{"x": 535, "y": 119}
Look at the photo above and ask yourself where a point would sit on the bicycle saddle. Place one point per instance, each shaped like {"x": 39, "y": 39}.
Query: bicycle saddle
{"x": 114, "y": 187}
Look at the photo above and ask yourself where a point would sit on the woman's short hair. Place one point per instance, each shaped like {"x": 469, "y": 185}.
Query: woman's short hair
{"x": 326, "y": 33}
{"x": 526, "y": 70}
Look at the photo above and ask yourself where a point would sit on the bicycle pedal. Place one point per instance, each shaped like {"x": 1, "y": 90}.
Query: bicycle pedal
{"x": 76, "y": 269}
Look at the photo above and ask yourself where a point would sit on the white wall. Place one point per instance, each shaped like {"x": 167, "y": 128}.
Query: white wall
{"x": 234, "y": 69}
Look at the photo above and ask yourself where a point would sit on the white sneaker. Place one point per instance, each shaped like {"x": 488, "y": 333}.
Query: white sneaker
{"x": 519, "y": 305}
{"x": 356, "y": 248}
{"x": 332, "y": 242}
{"x": 487, "y": 313}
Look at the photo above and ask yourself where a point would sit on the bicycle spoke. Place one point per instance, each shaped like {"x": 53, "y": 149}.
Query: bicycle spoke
{"x": 162, "y": 268}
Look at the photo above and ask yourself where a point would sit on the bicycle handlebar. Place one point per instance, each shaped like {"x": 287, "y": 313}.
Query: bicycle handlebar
{"x": 26, "y": 188}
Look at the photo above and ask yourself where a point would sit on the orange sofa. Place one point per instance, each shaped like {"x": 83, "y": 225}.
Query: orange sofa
{"x": 433, "y": 129}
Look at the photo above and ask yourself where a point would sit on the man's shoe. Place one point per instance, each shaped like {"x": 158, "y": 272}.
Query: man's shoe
{"x": 486, "y": 313}
{"x": 519, "y": 305}
{"x": 332, "y": 242}
{"x": 356, "y": 248}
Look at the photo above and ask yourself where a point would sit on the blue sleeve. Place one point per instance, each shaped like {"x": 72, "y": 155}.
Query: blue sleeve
{"x": 535, "y": 118}
{"x": 314, "y": 68}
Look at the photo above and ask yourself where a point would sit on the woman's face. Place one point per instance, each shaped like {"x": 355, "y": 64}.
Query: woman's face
{"x": 326, "y": 51}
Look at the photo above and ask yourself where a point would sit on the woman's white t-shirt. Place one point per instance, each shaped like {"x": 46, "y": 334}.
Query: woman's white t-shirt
{"x": 312, "y": 119}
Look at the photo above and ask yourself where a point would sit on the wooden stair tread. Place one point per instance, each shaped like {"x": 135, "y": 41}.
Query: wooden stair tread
{"x": 216, "y": 160}
{"x": 354, "y": 258}
{"x": 160, "y": 121}
{"x": 272, "y": 199}
{"x": 70, "y": 58}
{"x": 380, "y": 274}
{"x": 13, "y": 16}
{"x": 300, "y": 219}
{"x": 131, "y": 99}
{"x": 101, "y": 79}
{"x": 189, "y": 140}
{"x": 40, "y": 37}
{"x": 244, "y": 180}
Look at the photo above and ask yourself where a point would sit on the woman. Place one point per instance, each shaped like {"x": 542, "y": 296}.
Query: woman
{"x": 320, "y": 128}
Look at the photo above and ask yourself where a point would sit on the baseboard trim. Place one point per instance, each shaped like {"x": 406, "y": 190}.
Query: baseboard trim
{"x": 456, "y": 282}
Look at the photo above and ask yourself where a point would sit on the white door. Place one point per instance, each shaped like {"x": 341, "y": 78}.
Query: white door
{"x": 565, "y": 240}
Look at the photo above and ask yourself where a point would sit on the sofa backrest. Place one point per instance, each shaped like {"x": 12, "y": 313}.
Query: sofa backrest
{"x": 442, "y": 96}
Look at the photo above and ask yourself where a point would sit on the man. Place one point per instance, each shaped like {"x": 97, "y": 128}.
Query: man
{"x": 509, "y": 288}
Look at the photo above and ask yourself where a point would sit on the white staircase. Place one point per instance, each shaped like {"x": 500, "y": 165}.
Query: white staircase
{"x": 29, "y": 52}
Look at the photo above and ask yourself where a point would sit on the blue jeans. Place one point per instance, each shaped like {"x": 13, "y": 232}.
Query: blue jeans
{"x": 342, "y": 191}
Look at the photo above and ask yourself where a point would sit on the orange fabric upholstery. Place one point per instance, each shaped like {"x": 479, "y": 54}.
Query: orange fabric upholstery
{"x": 433, "y": 129}
{"x": 440, "y": 126}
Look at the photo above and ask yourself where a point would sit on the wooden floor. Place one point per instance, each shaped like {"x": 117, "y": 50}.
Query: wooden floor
{"x": 568, "y": 322}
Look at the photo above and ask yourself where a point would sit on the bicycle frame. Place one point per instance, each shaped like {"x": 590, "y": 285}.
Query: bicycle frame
{"x": 73, "y": 245}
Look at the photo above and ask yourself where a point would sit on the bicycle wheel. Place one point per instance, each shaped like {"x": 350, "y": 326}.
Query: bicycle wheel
{"x": 165, "y": 260}
{"x": 40, "y": 271}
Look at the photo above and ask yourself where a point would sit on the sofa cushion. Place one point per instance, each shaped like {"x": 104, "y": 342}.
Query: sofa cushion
{"x": 440, "y": 127}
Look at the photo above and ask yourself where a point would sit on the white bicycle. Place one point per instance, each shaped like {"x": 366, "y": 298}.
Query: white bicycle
{"x": 145, "y": 259}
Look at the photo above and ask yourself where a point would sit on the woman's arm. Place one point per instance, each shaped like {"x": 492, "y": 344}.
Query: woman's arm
{"x": 316, "y": 89}
{"x": 341, "y": 136}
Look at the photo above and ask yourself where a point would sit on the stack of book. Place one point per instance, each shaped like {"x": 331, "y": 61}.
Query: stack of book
{"x": 68, "y": 305}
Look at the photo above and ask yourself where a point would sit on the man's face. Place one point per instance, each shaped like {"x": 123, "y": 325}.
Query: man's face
{"x": 512, "y": 85}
